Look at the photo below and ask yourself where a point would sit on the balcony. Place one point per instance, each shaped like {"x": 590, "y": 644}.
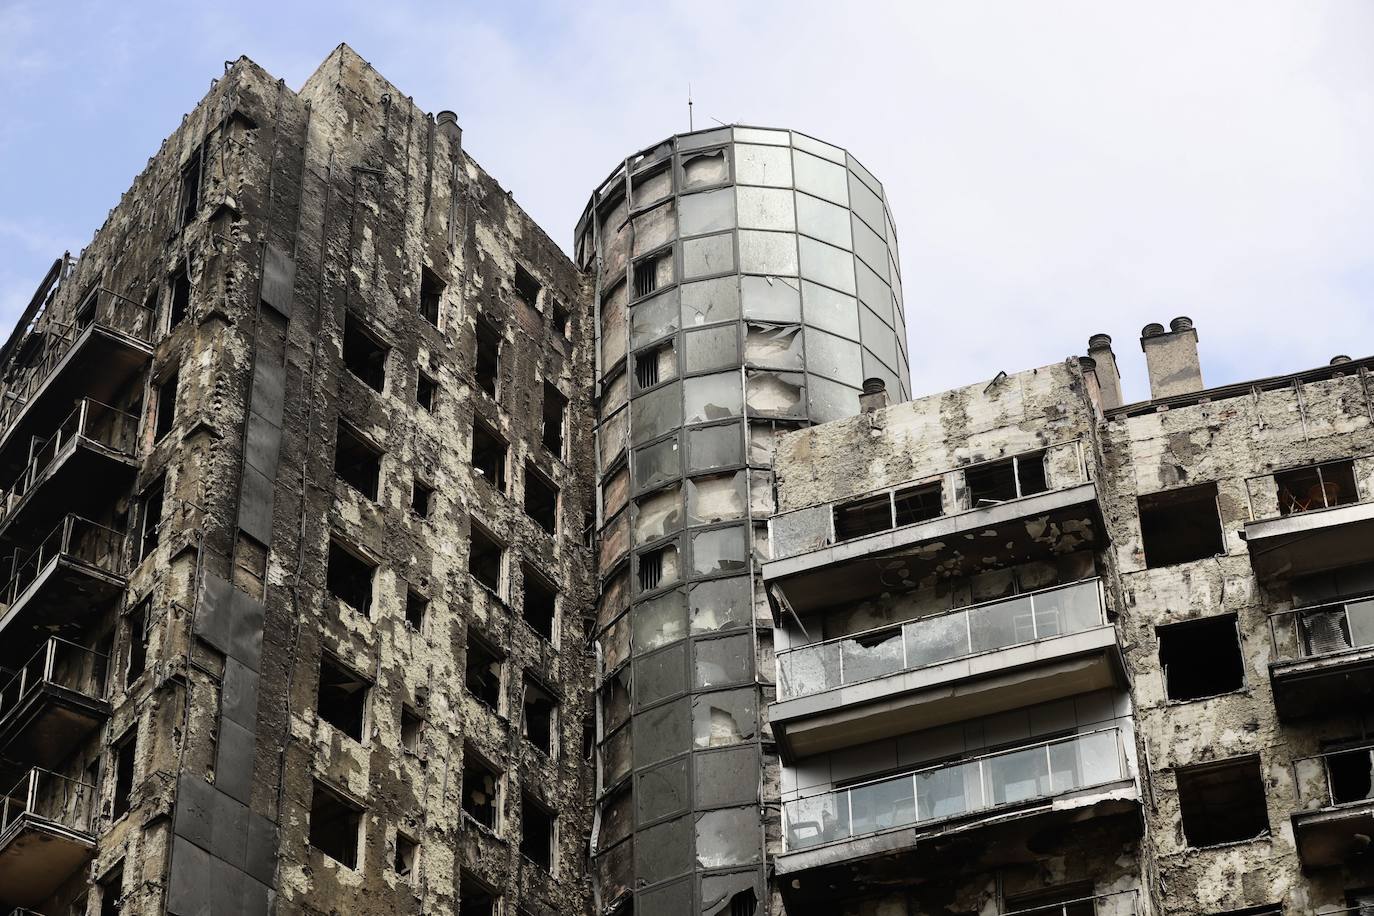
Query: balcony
{"x": 72, "y": 571}
{"x": 1335, "y": 815}
{"x": 55, "y": 700}
{"x": 88, "y": 460}
{"x": 917, "y": 820}
{"x": 957, "y": 523}
{"x": 95, "y": 356}
{"x": 45, "y": 836}
{"x": 1311, "y": 519}
{"x": 1122, "y": 903}
{"x": 1323, "y": 658}
{"x": 957, "y": 665}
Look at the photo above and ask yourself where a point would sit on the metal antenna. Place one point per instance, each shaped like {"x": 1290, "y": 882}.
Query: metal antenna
{"x": 690, "y": 128}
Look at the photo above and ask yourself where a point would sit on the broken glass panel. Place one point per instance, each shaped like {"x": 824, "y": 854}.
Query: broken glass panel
{"x": 659, "y": 621}
{"x": 833, "y": 357}
{"x": 615, "y": 871}
{"x": 830, "y": 400}
{"x": 662, "y": 732}
{"x": 772, "y": 346}
{"x": 724, "y": 717}
{"x": 826, "y": 264}
{"x": 768, "y": 252}
{"x": 712, "y": 397}
{"x": 766, "y": 208}
{"x": 771, "y": 298}
{"x": 615, "y": 701}
{"x": 703, "y": 169}
{"x": 656, "y": 412}
{"x": 719, "y": 551}
{"x": 818, "y": 819}
{"x": 707, "y": 255}
{"x": 648, "y": 189}
{"x": 761, "y": 494}
{"x": 656, "y": 464}
{"x": 612, "y": 434}
{"x": 732, "y": 894}
{"x": 655, "y": 227}
{"x": 658, "y": 514}
{"x": 709, "y": 301}
{"x": 720, "y": 604}
{"x": 765, "y": 165}
{"x": 719, "y": 498}
{"x": 711, "y": 447}
{"x": 703, "y": 138}
{"x": 615, "y": 757}
{"x": 730, "y": 836}
{"x": 830, "y": 310}
{"x": 654, "y": 318}
{"x": 615, "y": 540}
{"x": 615, "y": 645}
{"x": 709, "y": 211}
{"x": 661, "y": 675}
{"x": 729, "y": 777}
{"x": 616, "y": 819}
{"x": 726, "y": 661}
{"x": 712, "y": 348}
{"x": 775, "y": 394}
{"x": 662, "y": 791}
{"x": 663, "y": 851}
{"x": 616, "y": 493}
{"x": 824, "y": 179}
{"x": 823, "y": 220}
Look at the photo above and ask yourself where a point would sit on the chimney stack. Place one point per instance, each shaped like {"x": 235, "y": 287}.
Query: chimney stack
{"x": 1108, "y": 375}
{"x": 1171, "y": 358}
{"x": 874, "y": 395}
{"x": 447, "y": 122}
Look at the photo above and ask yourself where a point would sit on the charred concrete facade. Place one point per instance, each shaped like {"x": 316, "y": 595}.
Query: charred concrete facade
{"x": 292, "y": 621}
{"x": 1039, "y": 650}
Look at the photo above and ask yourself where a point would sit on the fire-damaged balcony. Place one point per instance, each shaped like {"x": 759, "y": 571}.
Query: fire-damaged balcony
{"x": 951, "y": 666}
{"x": 1335, "y": 816}
{"x": 51, "y": 703}
{"x": 45, "y": 836}
{"x": 89, "y": 457}
{"x": 1311, "y": 519}
{"x": 987, "y": 811}
{"x": 1323, "y": 658}
{"x": 74, "y": 570}
{"x": 94, "y": 356}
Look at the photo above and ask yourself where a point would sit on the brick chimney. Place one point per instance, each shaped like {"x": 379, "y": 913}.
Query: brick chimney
{"x": 1171, "y": 358}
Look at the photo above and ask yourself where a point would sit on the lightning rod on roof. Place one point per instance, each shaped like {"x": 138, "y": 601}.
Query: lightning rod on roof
{"x": 689, "y": 108}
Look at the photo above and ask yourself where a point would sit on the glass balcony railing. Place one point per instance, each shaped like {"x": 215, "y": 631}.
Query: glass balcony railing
{"x": 74, "y": 537}
{"x": 57, "y": 664}
{"x": 1314, "y": 632}
{"x": 41, "y": 795}
{"x": 93, "y": 421}
{"x": 959, "y": 789}
{"x": 1335, "y": 778}
{"x": 944, "y": 637}
{"x": 1121, "y": 903}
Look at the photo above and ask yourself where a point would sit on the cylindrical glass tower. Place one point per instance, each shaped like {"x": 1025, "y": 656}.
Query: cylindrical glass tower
{"x": 747, "y": 285}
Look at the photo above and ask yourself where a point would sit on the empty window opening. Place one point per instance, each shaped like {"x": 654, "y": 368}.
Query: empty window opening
{"x": 335, "y": 825}
{"x": 407, "y": 854}
{"x": 487, "y": 367}
{"x": 526, "y": 287}
{"x": 1223, "y": 802}
{"x": 743, "y": 903}
{"x": 357, "y": 462}
{"x": 1201, "y": 658}
{"x": 918, "y": 504}
{"x": 536, "y": 832}
{"x": 863, "y": 516}
{"x": 137, "y": 623}
{"x": 539, "y": 709}
{"x": 489, "y": 455}
{"x": 486, "y": 557}
{"x": 1177, "y": 526}
{"x": 363, "y": 353}
{"x": 541, "y": 500}
{"x": 476, "y": 899}
{"x": 555, "y": 411}
{"x": 150, "y": 518}
{"x": 999, "y": 481}
{"x": 562, "y": 319}
{"x": 540, "y": 605}
{"x": 421, "y": 498}
{"x": 588, "y": 737}
{"x": 481, "y": 785}
{"x": 126, "y": 753}
{"x": 1319, "y": 487}
{"x": 349, "y": 578}
{"x": 190, "y": 187}
{"x": 412, "y": 729}
{"x": 111, "y": 893}
{"x": 166, "y": 406}
{"x": 426, "y": 392}
{"x": 84, "y": 317}
{"x": 652, "y": 272}
{"x": 342, "y": 698}
{"x": 431, "y": 291}
{"x": 180, "y": 302}
{"x": 1351, "y": 774}
{"x": 483, "y": 675}
{"x": 417, "y": 606}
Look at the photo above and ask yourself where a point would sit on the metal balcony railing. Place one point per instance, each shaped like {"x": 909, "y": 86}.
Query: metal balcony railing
{"x": 93, "y": 421}
{"x": 1329, "y": 629}
{"x": 959, "y": 789}
{"x": 43, "y": 795}
{"x": 104, "y": 308}
{"x": 944, "y": 637}
{"x": 1335, "y": 778}
{"x": 57, "y": 663}
{"x": 1306, "y": 489}
{"x": 1121, "y": 903}
{"x": 74, "y": 537}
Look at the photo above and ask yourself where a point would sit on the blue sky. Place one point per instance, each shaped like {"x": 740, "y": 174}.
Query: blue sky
{"x": 1056, "y": 168}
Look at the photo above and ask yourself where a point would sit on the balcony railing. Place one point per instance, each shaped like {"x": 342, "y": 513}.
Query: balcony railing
{"x": 93, "y": 421}
{"x": 104, "y": 308}
{"x": 74, "y": 537}
{"x": 1306, "y": 489}
{"x": 944, "y": 637}
{"x": 960, "y": 789}
{"x": 42, "y": 795}
{"x": 1314, "y": 632}
{"x": 57, "y": 664}
{"x": 1335, "y": 778}
{"x": 1121, "y": 903}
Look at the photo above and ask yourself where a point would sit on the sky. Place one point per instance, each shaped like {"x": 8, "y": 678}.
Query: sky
{"x": 1055, "y": 168}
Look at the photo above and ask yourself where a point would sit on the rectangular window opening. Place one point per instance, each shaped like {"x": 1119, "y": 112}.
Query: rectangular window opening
{"x": 1223, "y": 802}
{"x": 1351, "y": 775}
{"x": 562, "y": 319}
{"x": 335, "y": 825}
{"x": 421, "y": 498}
{"x": 1321, "y": 486}
{"x": 180, "y": 302}
{"x": 349, "y": 578}
{"x": 357, "y": 462}
{"x": 342, "y": 698}
{"x": 487, "y": 368}
{"x": 541, "y": 500}
{"x": 150, "y": 518}
{"x": 526, "y": 287}
{"x": 166, "y": 406}
{"x": 486, "y": 558}
{"x": 1201, "y": 658}
{"x": 111, "y": 894}
{"x": 863, "y": 516}
{"x": 919, "y": 504}
{"x": 417, "y": 606}
{"x": 431, "y": 292}
{"x": 426, "y": 392}
{"x": 481, "y": 788}
{"x": 540, "y": 606}
{"x": 407, "y": 854}
{"x": 126, "y": 755}
{"x": 483, "y": 674}
{"x": 476, "y": 899}
{"x": 489, "y": 455}
{"x": 412, "y": 729}
{"x": 1001, "y": 481}
{"x": 536, "y": 832}
{"x": 1178, "y": 526}
{"x": 539, "y": 708}
{"x": 363, "y": 354}
{"x": 137, "y": 625}
{"x": 652, "y": 272}
{"x": 190, "y": 187}
{"x": 555, "y": 411}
